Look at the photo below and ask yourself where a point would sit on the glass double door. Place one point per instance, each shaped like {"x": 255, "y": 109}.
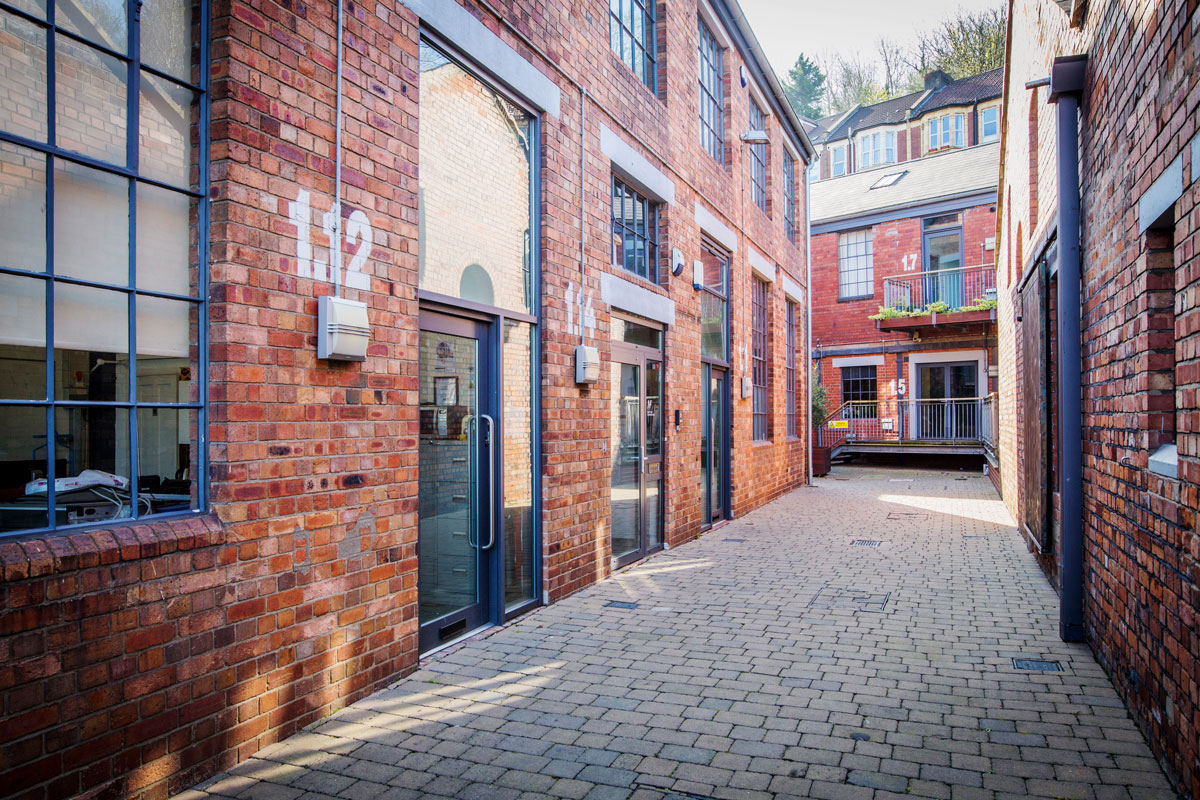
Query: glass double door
{"x": 456, "y": 544}
{"x": 714, "y": 441}
{"x": 636, "y": 455}
{"x": 948, "y": 408}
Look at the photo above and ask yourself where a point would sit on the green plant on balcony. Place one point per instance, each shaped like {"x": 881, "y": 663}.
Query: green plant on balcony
{"x": 936, "y": 307}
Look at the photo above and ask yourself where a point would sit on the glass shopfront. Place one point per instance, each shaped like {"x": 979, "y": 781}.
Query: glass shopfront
{"x": 478, "y": 544}
{"x": 636, "y": 449}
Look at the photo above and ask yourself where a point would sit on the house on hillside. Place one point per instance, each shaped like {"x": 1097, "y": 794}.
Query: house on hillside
{"x": 903, "y": 246}
{"x": 946, "y": 114}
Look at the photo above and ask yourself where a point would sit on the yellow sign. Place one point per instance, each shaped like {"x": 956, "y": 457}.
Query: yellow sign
{"x": 839, "y": 424}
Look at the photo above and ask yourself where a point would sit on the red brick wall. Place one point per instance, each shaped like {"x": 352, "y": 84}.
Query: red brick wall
{"x": 1141, "y": 558}
{"x": 137, "y": 660}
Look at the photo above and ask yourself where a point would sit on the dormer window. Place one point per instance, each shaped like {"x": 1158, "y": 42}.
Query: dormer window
{"x": 990, "y": 124}
{"x": 876, "y": 148}
{"x": 948, "y": 130}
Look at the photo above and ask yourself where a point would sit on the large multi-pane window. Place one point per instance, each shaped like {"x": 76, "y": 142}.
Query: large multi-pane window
{"x": 635, "y": 231}
{"x": 712, "y": 95}
{"x": 856, "y": 264}
{"x": 631, "y": 34}
{"x": 760, "y": 357}
{"x": 102, "y": 286}
{"x": 714, "y": 303}
{"x": 758, "y": 158}
{"x": 790, "y": 368}
{"x": 789, "y": 196}
{"x": 861, "y": 389}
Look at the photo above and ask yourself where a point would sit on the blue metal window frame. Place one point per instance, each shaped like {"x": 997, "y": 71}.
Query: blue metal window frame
{"x": 790, "y": 367}
{"x": 760, "y": 299}
{"x": 789, "y": 196}
{"x": 712, "y": 94}
{"x": 626, "y": 228}
{"x": 758, "y": 158}
{"x": 52, "y": 152}
{"x": 622, "y": 38}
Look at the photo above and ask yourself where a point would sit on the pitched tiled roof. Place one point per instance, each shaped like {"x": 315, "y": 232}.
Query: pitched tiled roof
{"x": 957, "y": 173}
{"x": 964, "y": 91}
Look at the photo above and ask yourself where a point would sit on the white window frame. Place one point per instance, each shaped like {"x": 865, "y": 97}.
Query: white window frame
{"x": 839, "y": 151}
{"x": 984, "y": 136}
{"x": 856, "y": 264}
{"x": 960, "y": 130}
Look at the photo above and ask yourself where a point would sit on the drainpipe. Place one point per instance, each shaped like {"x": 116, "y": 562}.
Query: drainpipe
{"x": 1067, "y": 79}
{"x": 335, "y": 246}
{"x": 808, "y": 362}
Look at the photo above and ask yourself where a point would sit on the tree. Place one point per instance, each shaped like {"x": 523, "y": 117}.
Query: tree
{"x": 850, "y": 80}
{"x": 894, "y": 70}
{"x": 965, "y": 44}
{"x": 805, "y": 87}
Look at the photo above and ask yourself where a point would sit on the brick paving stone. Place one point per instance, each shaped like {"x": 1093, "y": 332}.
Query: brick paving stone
{"x": 729, "y": 681}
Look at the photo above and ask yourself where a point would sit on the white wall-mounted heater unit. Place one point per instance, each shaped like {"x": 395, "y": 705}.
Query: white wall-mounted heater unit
{"x": 342, "y": 329}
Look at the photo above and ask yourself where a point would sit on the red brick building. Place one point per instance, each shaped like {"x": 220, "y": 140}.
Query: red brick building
{"x": 1098, "y": 329}
{"x": 437, "y": 313}
{"x": 903, "y": 303}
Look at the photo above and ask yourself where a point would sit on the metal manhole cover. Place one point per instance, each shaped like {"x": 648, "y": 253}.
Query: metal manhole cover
{"x": 620, "y": 604}
{"x": 865, "y": 543}
{"x": 853, "y": 599}
{"x": 1037, "y": 665}
{"x": 909, "y": 515}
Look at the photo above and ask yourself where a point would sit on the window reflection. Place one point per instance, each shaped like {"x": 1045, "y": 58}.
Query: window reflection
{"x": 475, "y": 189}
{"x": 519, "y": 542}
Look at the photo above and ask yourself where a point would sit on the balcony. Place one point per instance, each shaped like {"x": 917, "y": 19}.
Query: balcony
{"x": 940, "y": 297}
{"x": 964, "y": 425}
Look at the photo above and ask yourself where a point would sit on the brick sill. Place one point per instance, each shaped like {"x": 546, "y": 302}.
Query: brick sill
{"x": 59, "y": 552}
{"x": 856, "y": 299}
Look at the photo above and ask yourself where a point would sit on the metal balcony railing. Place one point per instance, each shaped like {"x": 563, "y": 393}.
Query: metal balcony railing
{"x": 952, "y": 420}
{"x": 960, "y": 287}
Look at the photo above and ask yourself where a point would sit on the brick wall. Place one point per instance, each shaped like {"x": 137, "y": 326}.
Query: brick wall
{"x": 1141, "y": 556}
{"x": 138, "y": 659}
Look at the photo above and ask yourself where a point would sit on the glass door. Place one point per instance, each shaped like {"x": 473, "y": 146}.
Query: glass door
{"x": 713, "y": 442}
{"x": 457, "y": 487}
{"x": 636, "y": 456}
{"x": 948, "y": 408}
{"x": 943, "y": 265}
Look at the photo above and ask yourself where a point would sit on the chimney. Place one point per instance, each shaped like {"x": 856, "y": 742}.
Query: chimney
{"x": 936, "y": 80}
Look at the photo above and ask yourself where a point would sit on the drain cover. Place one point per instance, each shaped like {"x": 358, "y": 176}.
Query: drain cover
{"x": 865, "y": 543}
{"x": 910, "y": 515}
{"x": 1037, "y": 665}
{"x": 853, "y": 599}
{"x": 620, "y": 604}
{"x": 735, "y": 540}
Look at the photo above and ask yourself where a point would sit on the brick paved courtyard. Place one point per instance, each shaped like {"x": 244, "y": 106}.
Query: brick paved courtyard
{"x": 773, "y": 657}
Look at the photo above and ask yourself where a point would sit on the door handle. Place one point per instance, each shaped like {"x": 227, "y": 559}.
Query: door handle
{"x": 490, "y": 508}
{"x": 472, "y": 467}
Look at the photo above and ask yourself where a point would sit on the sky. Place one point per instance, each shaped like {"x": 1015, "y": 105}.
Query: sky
{"x": 787, "y": 28}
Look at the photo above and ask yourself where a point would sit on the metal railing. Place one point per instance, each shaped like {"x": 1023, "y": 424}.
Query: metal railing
{"x": 953, "y": 419}
{"x": 956, "y": 288}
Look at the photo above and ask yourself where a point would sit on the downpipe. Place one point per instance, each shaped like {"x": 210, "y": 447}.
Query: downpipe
{"x": 1067, "y": 79}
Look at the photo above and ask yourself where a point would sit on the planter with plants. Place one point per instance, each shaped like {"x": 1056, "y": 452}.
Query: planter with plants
{"x": 980, "y": 310}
